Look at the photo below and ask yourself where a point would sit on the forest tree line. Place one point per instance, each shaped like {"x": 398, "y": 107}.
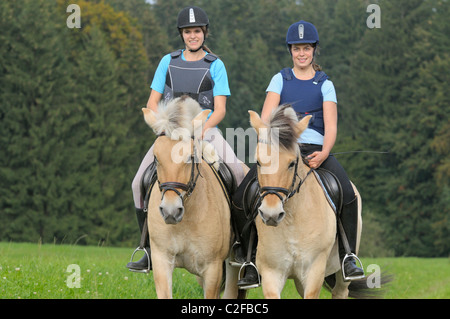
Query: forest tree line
{"x": 72, "y": 134}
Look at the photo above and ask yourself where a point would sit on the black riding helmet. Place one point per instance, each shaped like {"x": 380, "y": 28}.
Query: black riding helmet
{"x": 192, "y": 17}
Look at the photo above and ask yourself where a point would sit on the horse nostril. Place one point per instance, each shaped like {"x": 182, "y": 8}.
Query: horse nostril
{"x": 260, "y": 212}
{"x": 281, "y": 216}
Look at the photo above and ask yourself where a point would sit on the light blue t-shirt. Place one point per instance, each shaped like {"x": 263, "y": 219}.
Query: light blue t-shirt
{"x": 309, "y": 136}
{"x": 217, "y": 69}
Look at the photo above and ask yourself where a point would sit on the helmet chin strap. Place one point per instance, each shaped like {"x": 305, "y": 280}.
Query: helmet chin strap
{"x": 190, "y": 50}
{"x": 201, "y": 47}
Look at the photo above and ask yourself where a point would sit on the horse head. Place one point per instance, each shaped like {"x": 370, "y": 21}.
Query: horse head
{"x": 176, "y": 152}
{"x": 277, "y": 157}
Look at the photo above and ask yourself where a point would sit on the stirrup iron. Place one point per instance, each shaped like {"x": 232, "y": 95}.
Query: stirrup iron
{"x": 249, "y": 263}
{"x": 348, "y": 278}
{"x": 145, "y": 271}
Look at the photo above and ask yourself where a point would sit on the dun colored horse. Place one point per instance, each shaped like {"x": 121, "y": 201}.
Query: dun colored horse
{"x": 188, "y": 213}
{"x": 297, "y": 229}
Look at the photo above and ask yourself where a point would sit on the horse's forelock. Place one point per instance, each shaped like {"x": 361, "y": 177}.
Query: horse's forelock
{"x": 282, "y": 128}
{"x": 175, "y": 116}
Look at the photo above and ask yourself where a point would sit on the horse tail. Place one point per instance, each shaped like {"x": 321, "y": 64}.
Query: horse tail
{"x": 362, "y": 288}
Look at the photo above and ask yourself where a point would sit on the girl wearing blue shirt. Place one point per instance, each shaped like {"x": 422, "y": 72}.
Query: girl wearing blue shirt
{"x": 196, "y": 72}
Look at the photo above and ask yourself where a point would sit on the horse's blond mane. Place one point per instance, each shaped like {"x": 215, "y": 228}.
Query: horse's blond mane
{"x": 175, "y": 116}
{"x": 282, "y": 127}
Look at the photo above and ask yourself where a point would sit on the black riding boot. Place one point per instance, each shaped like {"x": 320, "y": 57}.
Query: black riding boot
{"x": 349, "y": 220}
{"x": 141, "y": 265}
{"x": 251, "y": 278}
{"x": 244, "y": 204}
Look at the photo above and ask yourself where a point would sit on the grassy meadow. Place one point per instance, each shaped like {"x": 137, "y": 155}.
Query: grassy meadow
{"x": 34, "y": 271}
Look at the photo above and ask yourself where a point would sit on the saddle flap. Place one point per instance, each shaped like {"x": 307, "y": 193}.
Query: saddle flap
{"x": 247, "y": 196}
{"x": 227, "y": 178}
{"x": 331, "y": 187}
{"x": 148, "y": 178}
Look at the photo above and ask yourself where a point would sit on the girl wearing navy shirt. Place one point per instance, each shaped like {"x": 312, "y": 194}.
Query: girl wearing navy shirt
{"x": 309, "y": 91}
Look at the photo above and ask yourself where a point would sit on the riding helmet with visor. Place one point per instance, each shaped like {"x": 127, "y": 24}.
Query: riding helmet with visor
{"x": 192, "y": 17}
{"x": 302, "y": 32}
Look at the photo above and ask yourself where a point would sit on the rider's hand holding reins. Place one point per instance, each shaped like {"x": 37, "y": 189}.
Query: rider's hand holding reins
{"x": 316, "y": 159}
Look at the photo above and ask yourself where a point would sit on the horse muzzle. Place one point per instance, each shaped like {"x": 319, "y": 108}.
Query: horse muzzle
{"x": 272, "y": 216}
{"x": 171, "y": 213}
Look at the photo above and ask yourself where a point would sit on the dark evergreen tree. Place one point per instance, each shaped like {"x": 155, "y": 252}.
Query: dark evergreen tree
{"x": 35, "y": 84}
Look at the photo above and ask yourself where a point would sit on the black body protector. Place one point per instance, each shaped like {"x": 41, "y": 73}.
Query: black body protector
{"x": 191, "y": 78}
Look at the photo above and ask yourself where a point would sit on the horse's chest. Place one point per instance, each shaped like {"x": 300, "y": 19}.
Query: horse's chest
{"x": 292, "y": 247}
{"x": 290, "y": 251}
{"x": 192, "y": 258}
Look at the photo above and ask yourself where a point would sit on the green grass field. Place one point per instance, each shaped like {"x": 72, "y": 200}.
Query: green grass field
{"x": 33, "y": 271}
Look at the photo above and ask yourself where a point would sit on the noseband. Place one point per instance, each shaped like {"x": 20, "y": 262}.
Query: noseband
{"x": 288, "y": 193}
{"x": 187, "y": 188}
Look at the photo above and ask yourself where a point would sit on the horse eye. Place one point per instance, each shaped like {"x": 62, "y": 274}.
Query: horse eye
{"x": 291, "y": 165}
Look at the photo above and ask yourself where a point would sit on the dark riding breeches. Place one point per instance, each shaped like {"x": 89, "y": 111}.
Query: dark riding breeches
{"x": 332, "y": 164}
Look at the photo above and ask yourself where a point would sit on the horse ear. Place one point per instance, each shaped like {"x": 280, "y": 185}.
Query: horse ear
{"x": 149, "y": 116}
{"x": 200, "y": 119}
{"x": 256, "y": 121}
{"x": 302, "y": 125}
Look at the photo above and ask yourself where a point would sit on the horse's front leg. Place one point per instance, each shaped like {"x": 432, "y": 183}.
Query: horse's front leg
{"x": 162, "y": 274}
{"x": 272, "y": 282}
{"x": 314, "y": 277}
{"x": 212, "y": 279}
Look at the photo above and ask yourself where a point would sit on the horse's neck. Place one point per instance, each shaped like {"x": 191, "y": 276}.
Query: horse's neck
{"x": 305, "y": 182}
{"x": 303, "y": 169}
{"x": 202, "y": 193}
